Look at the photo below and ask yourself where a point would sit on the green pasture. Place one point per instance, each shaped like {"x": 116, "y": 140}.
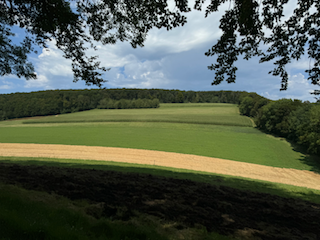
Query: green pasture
{"x": 238, "y": 143}
{"x": 234, "y": 143}
{"x": 213, "y": 130}
{"x": 208, "y": 113}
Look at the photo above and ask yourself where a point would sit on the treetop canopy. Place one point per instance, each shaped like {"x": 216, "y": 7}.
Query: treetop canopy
{"x": 76, "y": 24}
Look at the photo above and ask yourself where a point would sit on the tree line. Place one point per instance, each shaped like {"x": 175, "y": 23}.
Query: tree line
{"x": 43, "y": 103}
{"x": 292, "y": 119}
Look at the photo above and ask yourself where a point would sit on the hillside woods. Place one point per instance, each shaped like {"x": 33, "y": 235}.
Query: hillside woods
{"x": 18, "y": 105}
{"x": 293, "y": 119}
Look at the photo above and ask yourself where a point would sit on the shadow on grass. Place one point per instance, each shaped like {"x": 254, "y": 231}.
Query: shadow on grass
{"x": 243, "y": 184}
{"x": 311, "y": 160}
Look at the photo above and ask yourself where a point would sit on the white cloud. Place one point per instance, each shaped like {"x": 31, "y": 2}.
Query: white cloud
{"x": 303, "y": 64}
{"x": 112, "y": 56}
{"x": 6, "y": 85}
{"x": 143, "y": 67}
{"x": 137, "y": 74}
{"x": 196, "y": 32}
{"x": 298, "y": 88}
{"x": 51, "y": 61}
{"x": 53, "y": 70}
{"x": 41, "y": 82}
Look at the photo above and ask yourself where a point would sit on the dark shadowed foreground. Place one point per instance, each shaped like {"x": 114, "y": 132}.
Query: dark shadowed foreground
{"x": 221, "y": 209}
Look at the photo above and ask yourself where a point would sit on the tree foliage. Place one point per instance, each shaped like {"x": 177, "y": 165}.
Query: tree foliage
{"x": 295, "y": 120}
{"x": 76, "y": 24}
{"x": 246, "y": 105}
{"x": 18, "y": 105}
{"x": 245, "y": 31}
{"x": 108, "y": 103}
{"x": 274, "y": 116}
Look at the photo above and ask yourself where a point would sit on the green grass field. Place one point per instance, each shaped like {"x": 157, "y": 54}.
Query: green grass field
{"x": 163, "y": 129}
{"x": 209, "y": 113}
{"x": 233, "y": 143}
{"x": 214, "y": 130}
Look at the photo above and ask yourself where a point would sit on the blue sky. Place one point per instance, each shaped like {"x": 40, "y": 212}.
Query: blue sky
{"x": 170, "y": 60}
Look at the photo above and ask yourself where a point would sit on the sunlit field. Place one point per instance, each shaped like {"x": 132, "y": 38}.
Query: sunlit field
{"x": 158, "y": 129}
{"x": 214, "y": 130}
{"x": 208, "y": 113}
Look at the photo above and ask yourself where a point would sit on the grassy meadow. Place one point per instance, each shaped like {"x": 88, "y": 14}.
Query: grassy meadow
{"x": 208, "y": 113}
{"x": 213, "y": 130}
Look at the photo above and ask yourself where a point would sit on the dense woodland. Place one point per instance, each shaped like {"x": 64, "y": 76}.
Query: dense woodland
{"x": 18, "y": 105}
{"x": 293, "y": 119}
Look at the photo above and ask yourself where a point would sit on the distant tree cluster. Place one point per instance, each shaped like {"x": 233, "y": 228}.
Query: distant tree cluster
{"x": 43, "y": 103}
{"x": 293, "y": 119}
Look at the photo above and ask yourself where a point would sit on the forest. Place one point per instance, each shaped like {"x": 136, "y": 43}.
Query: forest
{"x": 44, "y": 103}
{"x": 297, "y": 121}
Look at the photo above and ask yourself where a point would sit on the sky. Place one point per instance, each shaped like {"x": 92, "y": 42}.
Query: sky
{"x": 169, "y": 60}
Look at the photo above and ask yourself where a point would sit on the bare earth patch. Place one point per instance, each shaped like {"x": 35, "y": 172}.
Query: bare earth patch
{"x": 295, "y": 177}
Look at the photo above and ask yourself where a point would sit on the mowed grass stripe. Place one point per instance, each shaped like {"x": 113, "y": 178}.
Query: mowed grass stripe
{"x": 210, "y": 113}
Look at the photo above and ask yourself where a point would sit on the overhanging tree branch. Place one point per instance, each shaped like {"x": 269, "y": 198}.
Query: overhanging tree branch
{"x": 243, "y": 34}
{"x": 243, "y": 25}
{"x": 106, "y": 21}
